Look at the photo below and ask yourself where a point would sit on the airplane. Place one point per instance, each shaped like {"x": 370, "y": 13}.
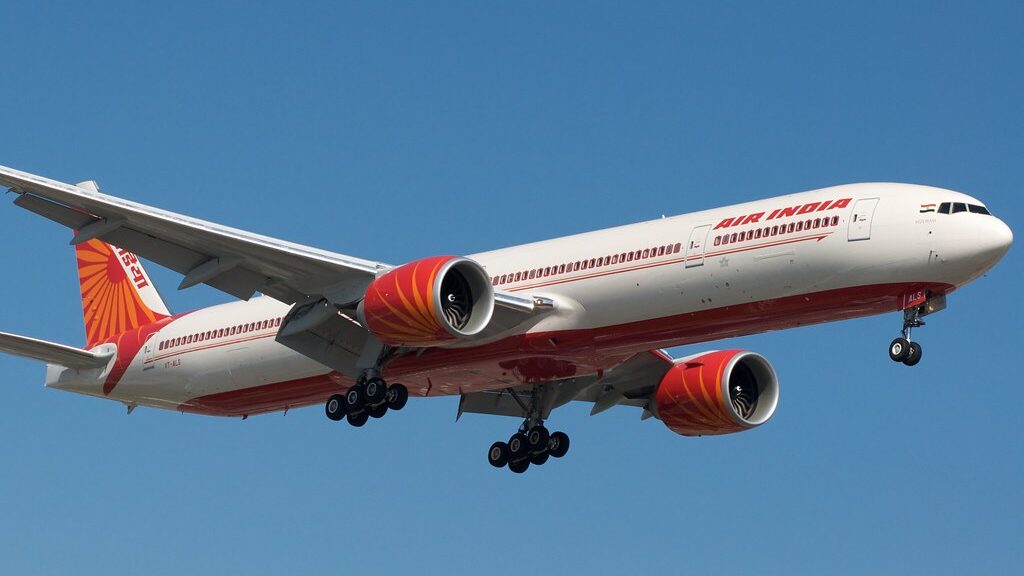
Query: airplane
{"x": 518, "y": 331}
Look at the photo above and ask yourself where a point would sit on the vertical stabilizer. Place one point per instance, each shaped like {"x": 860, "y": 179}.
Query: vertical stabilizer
{"x": 117, "y": 294}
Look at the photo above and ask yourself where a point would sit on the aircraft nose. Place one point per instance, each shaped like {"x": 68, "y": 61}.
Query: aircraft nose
{"x": 994, "y": 240}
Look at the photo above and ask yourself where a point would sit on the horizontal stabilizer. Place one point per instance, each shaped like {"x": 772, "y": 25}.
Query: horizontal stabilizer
{"x": 53, "y": 353}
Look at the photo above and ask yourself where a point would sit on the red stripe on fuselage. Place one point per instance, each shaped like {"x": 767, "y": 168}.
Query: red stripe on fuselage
{"x": 532, "y": 357}
{"x": 819, "y": 237}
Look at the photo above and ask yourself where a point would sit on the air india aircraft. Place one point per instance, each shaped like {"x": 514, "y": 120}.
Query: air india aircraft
{"x": 518, "y": 331}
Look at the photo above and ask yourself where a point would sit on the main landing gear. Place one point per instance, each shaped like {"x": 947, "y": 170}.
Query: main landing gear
{"x": 369, "y": 397}
{"x": 531, "y": 445}
{"x": 902, "y": 349}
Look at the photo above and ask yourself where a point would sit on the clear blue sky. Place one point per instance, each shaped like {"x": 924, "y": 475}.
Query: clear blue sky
{"x": 395, "y": 131}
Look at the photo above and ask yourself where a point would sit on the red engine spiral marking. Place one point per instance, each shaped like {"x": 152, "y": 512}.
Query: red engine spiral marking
{"x": 691, "y": 400}
{"x": 400, "y": 308}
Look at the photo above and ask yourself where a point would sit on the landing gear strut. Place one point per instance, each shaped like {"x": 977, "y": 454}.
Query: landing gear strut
{"x": 902, "y": 349}
{"x": 532, "y": 444}
{"x": 369, "y": 397}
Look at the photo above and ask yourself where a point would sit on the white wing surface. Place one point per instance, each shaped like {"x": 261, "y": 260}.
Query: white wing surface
{"x": 234, "y": 261}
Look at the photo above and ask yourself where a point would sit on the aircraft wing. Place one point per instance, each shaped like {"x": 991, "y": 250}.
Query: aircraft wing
{"x": 630, "y": 383}
{"x": 234, "y": 261}
{"x": 53, "y": 353}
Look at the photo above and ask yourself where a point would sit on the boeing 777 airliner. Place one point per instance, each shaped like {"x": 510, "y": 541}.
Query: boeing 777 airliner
{"x": 518, "y": 331}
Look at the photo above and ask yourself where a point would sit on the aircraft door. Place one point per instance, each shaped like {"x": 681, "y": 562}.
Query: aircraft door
{"x": 860, "y": 222}
{"x": 149, "y": 352}
{"x": 695, "y": 247}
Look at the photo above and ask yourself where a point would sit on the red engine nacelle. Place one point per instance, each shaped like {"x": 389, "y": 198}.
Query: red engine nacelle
{"x": 429, "y": 302}
{"x": 717, "y": 393}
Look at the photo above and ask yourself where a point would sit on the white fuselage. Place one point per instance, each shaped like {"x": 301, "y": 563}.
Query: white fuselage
{"x": 671, "y": 281}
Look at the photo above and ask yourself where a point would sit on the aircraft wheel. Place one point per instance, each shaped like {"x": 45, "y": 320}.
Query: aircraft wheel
{"x": 397, "y": 396}
{"x": 335, "y": 407}
{"x": 375, "y": 390}
{"x": 519, "y": 467}
{"x": 497, "y": 456}
{"x": 558, "y": 444}
{"x": 358, "y": 419}
{"x": 899, "y": 349}
{"x": 914, "y": 356}
{"x": 517, "y": 446}
{"x": 355, "y": 399}
{"x": 537, "y": 438}
{"x": 378, "y": 411}
{"x": 539, "y": 459}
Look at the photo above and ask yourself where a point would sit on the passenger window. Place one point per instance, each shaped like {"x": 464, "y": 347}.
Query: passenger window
{"x": 835, "y": 220}
{"x": 944, "y": 207}
{"x": 959, "y": 207}
{"x": 676, "y": 247}
{"x": 718, "y": 240}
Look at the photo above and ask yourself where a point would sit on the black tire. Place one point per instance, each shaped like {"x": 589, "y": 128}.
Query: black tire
{"x": 519, "y": 467}
{"x": 355, "y": 399}
{"x": 558, "y": 444}
{"x": 915, "y": 354}
{"x": 378, "y": 411}
{"x": 358, "y": 419}
{"x": 376, "y": 390}
{"x": 517, "y": 447}
{"x": 335, "y": 407}
{"x": 398, "y": 395}
{"x": 899, "y": 349}
{"x": 537, "y": 439}
{"x": 539, "y": 459}
{"x": 497, "y": 456}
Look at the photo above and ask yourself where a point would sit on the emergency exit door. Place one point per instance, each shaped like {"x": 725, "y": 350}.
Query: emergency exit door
{"x": 695, "y": 247}
{"x": 860, "y": 222}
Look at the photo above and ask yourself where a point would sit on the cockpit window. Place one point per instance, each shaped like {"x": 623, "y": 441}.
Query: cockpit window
{"x": 954, "y": 207}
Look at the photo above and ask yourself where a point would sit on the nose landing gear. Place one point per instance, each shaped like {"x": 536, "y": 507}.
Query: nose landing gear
{"x": 369, "y": 397}
{"x": 902, "y": 349}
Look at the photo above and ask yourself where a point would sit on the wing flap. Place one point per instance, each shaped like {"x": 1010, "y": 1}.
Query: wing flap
{"x": 51, "y": 352}
{"x": 631, "y": 383}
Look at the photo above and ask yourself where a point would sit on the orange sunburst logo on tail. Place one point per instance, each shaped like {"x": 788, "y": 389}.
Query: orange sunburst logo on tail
{"x": 114, "y": 292}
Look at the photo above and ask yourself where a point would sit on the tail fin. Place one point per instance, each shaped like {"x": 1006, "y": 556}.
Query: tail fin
{"x": 117, "y": 294}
